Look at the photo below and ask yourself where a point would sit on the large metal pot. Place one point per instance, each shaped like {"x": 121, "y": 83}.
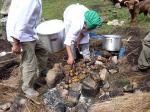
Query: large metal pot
{"x": 51, "y": 33}
{"x": 112, "y": 42}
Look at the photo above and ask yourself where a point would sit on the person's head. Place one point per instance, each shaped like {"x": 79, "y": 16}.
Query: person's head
{"x": 92, "y": 20}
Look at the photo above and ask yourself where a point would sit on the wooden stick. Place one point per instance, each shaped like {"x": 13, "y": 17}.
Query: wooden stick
{"x": 2, "y": 62}
{"x": 27, "y": 107}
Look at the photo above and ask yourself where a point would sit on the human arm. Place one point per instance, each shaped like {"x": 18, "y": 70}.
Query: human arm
{"x": 70, "y": 39}
{"x": 70, "y": 55}
{"x": 16, "y": 46}
{"x": 79, "y": 38}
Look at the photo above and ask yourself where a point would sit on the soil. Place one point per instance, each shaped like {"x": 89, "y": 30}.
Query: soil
{"x": 10, "y": 86}
{"x": 4, "y": 45}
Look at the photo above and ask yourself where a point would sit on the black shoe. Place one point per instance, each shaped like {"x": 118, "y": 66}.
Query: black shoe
{"x": 39, "y": 83}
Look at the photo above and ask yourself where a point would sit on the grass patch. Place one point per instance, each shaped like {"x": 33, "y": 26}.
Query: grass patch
{"x": 53, "y": 9}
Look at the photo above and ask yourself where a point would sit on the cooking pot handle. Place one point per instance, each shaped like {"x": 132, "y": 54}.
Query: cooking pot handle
{"x": 53, "y": 39}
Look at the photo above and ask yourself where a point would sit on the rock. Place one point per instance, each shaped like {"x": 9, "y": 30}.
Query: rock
{"x": 114, "y": 59}
{"x": 117, "y": 5}
{"x": 95, "y": 76}
{"x": 104, "y": 97}
{"x": 116, "y": 92}
{"x": 81, "y": 107}
{"x": 113, "y": 71}
{"x": 76, "y": 87}
{"x": 90, "y": 87}
{"x": 60, "y": 107}
{"x": 89, "y": 82}
{"x": 145, "y": 89}
{"x": 18, "y": 105}
{"x": 106, "y": 54}
{"x": 102, "y": 59}
{"x": 105, "y": 87}
{"x": 63, "y": 92}
{"x": 5, "y": 107}
{"x": 82, "y": 99}
{"x": 103, "y": 74}
{"x": 54, "y": 75}
{"x": 99, "y": 63}
{"x": 72, "y": 99}
{"x": 128, "y": 88}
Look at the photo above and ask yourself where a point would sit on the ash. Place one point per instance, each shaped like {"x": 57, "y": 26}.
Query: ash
{"x": 52, "y": 98}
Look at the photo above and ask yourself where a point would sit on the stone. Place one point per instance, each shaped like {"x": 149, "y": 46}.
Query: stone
{"x": 89, "y": 82}
{"x": 4, "y": 107}
{"x": 106, "y": 54}
{"x": 106, "y": 86}
{"x": 18, "y": 104}
{"x": 72, "y": 99}
{"x": 99, "y": 63}
{"x": 60, "y": 107}
{"x": 102, "y": 59}
{"x": 54, "y": 75}
{"x": 116, "y": 92}
{"x": 76, "y": 87}
{"x": 103, "y": 74}
{"x": 117, "y": 5}
{"x": 128, "y": 88}
{"x": 95, "y": 76}
{"x": 104, "y": 97}
{"x": 113, "y": 71}
{"x": 81, "y": 107}
{"x": 63, "y": 92}
{"x": 114, "y": 59}
{"x": 89, "y": 92}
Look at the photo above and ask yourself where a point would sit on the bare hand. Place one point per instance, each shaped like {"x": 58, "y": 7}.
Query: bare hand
{"x": 70, "y": 61}
{"x": 16, "y": 48}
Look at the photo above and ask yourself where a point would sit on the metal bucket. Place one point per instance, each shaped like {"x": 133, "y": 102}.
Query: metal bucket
{"x": 51, "y": 33}
{"x": 112, "y": 42}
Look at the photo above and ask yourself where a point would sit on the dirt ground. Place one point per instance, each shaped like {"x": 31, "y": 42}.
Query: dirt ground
{"x": 135, "y": 102}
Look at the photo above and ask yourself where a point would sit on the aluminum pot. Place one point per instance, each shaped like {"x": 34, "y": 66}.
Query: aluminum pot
{"x": 112, "y": 42}
{"x": 51, "y": 33}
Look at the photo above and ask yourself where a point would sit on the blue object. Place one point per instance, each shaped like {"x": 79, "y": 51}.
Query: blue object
{"x": 93, "y": 35}
{"x": 97, "y": 53}
{"x": 121, "y": 52}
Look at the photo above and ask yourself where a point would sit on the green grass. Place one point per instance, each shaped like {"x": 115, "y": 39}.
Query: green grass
{"x": 53, "y": 9}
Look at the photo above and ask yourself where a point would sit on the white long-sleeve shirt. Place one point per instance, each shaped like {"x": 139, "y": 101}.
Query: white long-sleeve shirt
{"x": 74, "y": 22}
{"x": 22, "y": 20}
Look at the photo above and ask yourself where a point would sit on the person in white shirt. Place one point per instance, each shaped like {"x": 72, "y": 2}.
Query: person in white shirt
{"x": 23, "y": 18}
{"x": 78, "y": 21}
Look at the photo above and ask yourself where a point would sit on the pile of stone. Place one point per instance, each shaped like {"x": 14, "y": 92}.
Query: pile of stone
{"x": 82, "y": 82}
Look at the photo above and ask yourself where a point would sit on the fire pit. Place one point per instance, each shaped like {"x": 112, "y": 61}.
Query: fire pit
{"x": 82, "y": 82}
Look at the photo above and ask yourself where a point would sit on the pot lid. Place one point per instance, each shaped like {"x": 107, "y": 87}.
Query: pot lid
{"x": 50, "y": 27}
{"x": 112, "y": 36}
